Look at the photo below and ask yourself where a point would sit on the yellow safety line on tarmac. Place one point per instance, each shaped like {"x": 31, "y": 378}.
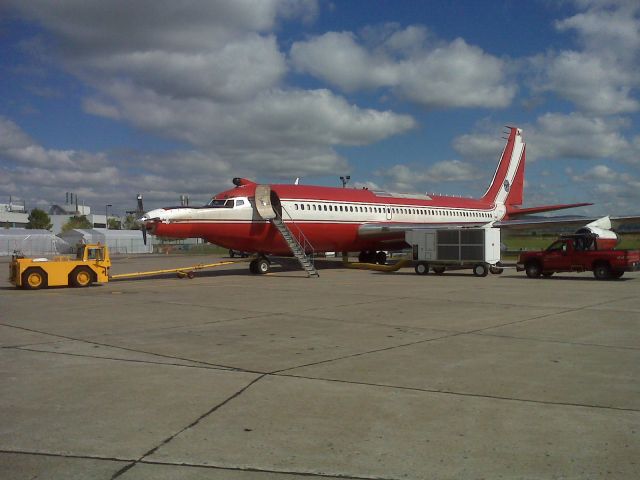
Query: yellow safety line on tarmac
{"x": 184, "y": 270}
{"x": 374, "y": 266}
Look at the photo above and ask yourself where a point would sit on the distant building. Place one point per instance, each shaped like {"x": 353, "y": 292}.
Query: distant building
{"x": 13, "y": 215}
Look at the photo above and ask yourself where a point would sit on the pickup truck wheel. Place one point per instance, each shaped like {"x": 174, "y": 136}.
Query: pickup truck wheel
{"x": 422, "y": 268}
{"x": 602, "y": 271}
{"x": 34, "y": 279}
{"x": 533, "y": 269}
{"x": 480, "y": 270}
{"x": 81, "y": 277}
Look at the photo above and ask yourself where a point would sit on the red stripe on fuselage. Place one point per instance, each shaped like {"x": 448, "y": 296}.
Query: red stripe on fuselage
{"x": 265, "y": 238}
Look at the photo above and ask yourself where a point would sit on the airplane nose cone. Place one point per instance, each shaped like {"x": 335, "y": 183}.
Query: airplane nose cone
{"x": 156, "y": 214}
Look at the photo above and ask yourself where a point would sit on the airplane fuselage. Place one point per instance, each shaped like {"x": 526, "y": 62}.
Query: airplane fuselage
{"x": 331, "y": 219}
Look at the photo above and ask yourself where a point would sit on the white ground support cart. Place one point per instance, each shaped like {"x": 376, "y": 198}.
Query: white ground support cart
{"x": 455, "y": 248}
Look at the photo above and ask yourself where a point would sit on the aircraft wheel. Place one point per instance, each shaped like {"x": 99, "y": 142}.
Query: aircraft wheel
{"x": 262, "y": 266}
{"x": 533, "y": 269}
{"x": 34, "y": 279}
{"x": 422, "y": 268}
{"x": 381, "y": 258}
{"x": 438, "y": 270}
{"x": 480, "y": 270}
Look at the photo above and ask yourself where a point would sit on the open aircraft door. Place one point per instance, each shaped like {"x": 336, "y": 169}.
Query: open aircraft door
{"x": 389, "y": 214}
{"x": 263, "y": 202}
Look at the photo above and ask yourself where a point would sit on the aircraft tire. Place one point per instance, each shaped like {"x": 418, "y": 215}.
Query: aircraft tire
{"x": 262, "y": 266}
{"x": 381, "y": 258}
{"x": 422, "y": 268}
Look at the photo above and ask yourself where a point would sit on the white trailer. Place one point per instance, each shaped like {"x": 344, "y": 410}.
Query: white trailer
{"x": 442, "y": 248}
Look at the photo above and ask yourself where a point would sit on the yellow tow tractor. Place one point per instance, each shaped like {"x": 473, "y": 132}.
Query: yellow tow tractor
{"x": 91, "y": 265}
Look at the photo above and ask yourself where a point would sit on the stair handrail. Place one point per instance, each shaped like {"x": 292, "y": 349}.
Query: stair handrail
{"x": 301, "y": 238}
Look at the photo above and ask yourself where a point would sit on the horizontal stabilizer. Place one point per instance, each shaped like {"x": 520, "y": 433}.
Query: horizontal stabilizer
{"x": 515, "y": 212}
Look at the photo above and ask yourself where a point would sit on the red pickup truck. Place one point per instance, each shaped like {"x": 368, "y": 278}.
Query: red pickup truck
{"x": 579, "y": 253}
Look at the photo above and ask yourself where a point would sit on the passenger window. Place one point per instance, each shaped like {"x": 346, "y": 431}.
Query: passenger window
{"x": 295, "y": 206}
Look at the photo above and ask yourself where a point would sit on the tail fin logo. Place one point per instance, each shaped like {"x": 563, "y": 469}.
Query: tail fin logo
{"x": 507, "y": 185}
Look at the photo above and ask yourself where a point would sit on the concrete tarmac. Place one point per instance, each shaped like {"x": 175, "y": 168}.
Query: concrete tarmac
{"x": 353, "y": 375}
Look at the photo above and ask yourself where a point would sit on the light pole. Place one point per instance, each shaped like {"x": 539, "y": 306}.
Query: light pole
{"x": 106, "y": 215}
{"x": 345, "y": 180}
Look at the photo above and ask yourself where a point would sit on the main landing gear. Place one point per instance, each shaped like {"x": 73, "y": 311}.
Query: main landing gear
{"x": 260, "y": 265}
{"x": 370, "y": 256}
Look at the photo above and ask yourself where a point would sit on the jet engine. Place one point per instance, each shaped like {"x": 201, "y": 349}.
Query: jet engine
{"x": 601, "y": 228}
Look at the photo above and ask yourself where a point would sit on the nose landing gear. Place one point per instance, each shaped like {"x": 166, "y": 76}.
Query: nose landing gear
{"x": 260, "y": 265}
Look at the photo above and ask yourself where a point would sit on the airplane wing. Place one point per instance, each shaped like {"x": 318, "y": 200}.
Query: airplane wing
{"x": 374, "y": 230}
{"x": 377, "y": 230}
{"x": 564, "y": 221}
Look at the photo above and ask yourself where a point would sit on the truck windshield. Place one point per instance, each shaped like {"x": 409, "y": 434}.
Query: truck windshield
{"x": 558, "y": 246}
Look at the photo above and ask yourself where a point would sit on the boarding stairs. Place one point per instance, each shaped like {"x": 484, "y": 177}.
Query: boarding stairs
{"x": 297, "y": 248}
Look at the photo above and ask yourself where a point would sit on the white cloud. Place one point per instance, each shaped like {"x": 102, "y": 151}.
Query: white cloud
{"x": 410, "y": 178}
{"x": 596, "y": 84}
{"x": 555, "y": 136}
{"x": 210, "y": 77}
{"x": 619, "y": 191}
{"x": 576, "y": 136}
{"x": 479, "y": 146}
{"x": 439, "y": 75}
{"x": 601, "y": 78}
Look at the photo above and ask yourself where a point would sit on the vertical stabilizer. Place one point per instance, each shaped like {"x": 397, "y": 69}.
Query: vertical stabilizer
{"x": 507, "y": 186}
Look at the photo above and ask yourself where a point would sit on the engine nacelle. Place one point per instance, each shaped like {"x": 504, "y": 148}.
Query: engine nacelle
{"x": 601, "y": 228}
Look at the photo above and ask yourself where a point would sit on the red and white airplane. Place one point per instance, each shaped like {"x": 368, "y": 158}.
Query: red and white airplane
{"x": 249, "y": 216}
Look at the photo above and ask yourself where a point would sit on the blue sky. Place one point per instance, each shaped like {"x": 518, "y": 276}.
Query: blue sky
{"x": 108, "y": 99}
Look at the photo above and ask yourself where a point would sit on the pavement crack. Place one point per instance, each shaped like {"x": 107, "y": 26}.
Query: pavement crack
{"x": 264, "y": 470}
{"x": 191, "y": 425}
{"x": 161, "y": 355}
{"x": 359, "y": 354}
{"x": 461, "y": 394}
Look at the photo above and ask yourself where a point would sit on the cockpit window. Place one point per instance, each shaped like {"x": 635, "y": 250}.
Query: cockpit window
{"x": 239, "y": 203}
{"x": 215, "y": 203}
